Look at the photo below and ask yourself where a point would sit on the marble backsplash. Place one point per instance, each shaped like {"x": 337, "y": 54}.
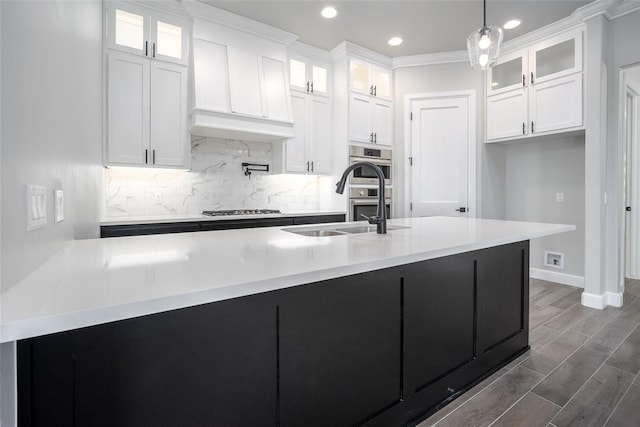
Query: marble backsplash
{"x": 216, "y": 181}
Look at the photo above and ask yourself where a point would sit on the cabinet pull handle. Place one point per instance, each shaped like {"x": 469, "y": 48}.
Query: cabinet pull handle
{"x": 523, "y": 131}
{"x": 375, "y": 137}
{"x": 307, "y": 166}
{"x": 146, "y": 48}
{"x": 311, "y": 87}
{"x": 371, "y": 137}
{"x": 532, "y": 77}
{"x": 524, "y": 80}
{"x": 307, "y": 86}
{"x": 371, "y": 90}
{"x": 153, "y": 152}
{"x": 312, "y": 166}
{"x": 531, "y": 126}
{"x": 153, "y": 49}
{"x": 146, "y": 157}
{"x": 375, "y": 91}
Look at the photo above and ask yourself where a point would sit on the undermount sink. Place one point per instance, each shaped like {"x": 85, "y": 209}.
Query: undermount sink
{"x": 339, "y": 231}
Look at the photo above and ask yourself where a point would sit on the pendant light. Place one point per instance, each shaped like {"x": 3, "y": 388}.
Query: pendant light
{"x": 484, "y": 44}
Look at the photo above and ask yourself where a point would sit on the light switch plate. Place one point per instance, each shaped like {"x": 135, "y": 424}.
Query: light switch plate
{"x": 59, "y": 205}
{"x": 36, "y": 207}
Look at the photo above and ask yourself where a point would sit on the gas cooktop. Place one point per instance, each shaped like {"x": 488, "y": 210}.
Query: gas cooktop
{"x": 241, "y": 212}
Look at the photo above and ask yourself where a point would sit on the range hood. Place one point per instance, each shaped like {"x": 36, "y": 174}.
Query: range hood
{"x": 240, "y": 85}
{"x": 220, "y": 124}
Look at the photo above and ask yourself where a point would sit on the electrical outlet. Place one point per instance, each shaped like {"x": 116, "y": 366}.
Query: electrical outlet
{"x": 559, "y": 197}
{"x": 59, "y": 205}
{"x": 36, "y": 207}
{"x": 554, "y": 259}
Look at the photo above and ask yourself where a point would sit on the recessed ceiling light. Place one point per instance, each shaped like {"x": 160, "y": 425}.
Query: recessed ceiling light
{"x": 509, "y": 25}
{"x": 395, "y": 41}
{"x": 329, "y": 12}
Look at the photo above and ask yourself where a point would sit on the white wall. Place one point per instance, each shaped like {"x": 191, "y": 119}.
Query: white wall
{"x": 51, "y": 124}
{"x": 535, "y": 173}
{"x": 622, "y": 50}
{"x": 490, "y": 158}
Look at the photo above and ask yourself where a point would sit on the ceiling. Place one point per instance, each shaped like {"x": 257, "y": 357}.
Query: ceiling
{"x": 427, "y": 26}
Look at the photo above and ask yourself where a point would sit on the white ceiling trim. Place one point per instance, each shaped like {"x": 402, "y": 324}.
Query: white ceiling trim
{"x": 611, "y": 9}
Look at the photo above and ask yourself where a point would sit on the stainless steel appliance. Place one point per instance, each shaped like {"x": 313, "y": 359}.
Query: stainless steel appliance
{"x": 364, "y": 175}
{"x": 363, "y": 203}
{"x": 241, "y": 212}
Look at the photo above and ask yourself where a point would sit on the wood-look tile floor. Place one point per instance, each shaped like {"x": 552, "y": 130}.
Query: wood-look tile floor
{"x": 582, "y": 369}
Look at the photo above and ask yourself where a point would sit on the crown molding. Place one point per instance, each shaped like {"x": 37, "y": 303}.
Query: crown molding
{"x": 212, "y": 14}
{"x": 308, "y": 50}
{"x": 430, "y": 59}
{"x": 623, "y": 7}
{"x": 349, "y": 48}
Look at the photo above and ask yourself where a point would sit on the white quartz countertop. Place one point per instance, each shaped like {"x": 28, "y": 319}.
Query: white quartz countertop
{"x": 159, "y": 219}
{"x": 102, "y": 280}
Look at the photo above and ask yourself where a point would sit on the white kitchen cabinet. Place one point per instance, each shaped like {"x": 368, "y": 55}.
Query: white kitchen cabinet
{"x": 309, "y": 151}
{"x": 241, "y": 85}
{"x": 146, "y": 112}
{"x": 309, "y": 75}
{"x": 370, "y": 119}
{"x": 147, "y": 32}
{"x": 536, "y": 90}
{"x": 367, "y": 78}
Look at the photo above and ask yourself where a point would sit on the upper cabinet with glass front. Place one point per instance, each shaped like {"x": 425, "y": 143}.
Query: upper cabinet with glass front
{"x": 370, "y": 79}
{"x": 148, "y": 33}
{"x": 552, "y": 58}
{"x": 308, "y": 74}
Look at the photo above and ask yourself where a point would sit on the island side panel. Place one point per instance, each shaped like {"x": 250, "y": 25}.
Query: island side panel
{"x": 184, "y": 367}
{"x": 341, "y": 350}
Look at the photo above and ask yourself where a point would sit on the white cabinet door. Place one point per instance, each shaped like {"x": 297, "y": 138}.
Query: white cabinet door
{"x": 510, "y": 72}
{"x": 320, "y": 141}
{"x": 507, "y": 115}
{"x": 169, "y": 38}
{"x": 296, "y": 147}
{"x": 556, "y": 57}
{"x": 211, "y": 76}
{"x": 276, "y": 95}
{"x": 360, "y": 118}
{"x": 381, "y": 80}
{"x": 556, "y": 104}
{"x": 127, "y": 109}
{"x": 244, "y": 82}
{"x": 169, "y": 144}
{"x": 381, "y": 122}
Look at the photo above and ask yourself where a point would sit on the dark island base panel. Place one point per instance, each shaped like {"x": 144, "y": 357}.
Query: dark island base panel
{"x": 382, "y": 348}
{"x": 224, "y": 224}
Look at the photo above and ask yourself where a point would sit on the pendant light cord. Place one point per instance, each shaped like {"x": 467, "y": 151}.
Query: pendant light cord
{"x": 484, "y": 2}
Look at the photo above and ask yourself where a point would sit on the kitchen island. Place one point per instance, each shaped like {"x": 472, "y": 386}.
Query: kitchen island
{"x": 267, "y": 327}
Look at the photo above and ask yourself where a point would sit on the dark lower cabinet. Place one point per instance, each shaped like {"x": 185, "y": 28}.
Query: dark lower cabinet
{"x": 341, "y": 350}
{"x": 382, "y": 348}
{"x": 206, "y": 365}
{"x": 222, "y": 224}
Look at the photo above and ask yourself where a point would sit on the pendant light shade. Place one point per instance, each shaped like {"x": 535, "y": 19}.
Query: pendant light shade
{"x": 484, "y": 44}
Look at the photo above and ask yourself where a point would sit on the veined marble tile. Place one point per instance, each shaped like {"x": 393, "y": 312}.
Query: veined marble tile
{"x": 215, "y": 181}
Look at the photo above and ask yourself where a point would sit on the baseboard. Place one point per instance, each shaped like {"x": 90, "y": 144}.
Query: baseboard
{"x": 552, "y": 276}
{"x": 601, "y": 301}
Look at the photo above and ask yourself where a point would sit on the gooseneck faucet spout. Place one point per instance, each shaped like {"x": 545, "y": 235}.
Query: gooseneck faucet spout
{"x": 380, "y": 220}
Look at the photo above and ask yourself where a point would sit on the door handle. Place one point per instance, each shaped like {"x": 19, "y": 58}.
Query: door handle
{"x": 461, "y": 209}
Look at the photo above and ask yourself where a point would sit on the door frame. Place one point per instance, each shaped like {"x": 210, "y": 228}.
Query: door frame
{"x": 625, "y": 90}
{"x": 470, "y": 95}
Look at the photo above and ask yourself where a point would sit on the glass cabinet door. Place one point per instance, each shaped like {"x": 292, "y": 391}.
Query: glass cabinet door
{"x": 508, "y": 73}
{"x": 360, "y": 77}
{"x": 298, "y": 74}
{"x": 556, "y": 57}
{"x": 129, "y": 29}
{"x": 382, "y": 83}
{"x": 169, "y": 40}
{"x": 320, "y": 79}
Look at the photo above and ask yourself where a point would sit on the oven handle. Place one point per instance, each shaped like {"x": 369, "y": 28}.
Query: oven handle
{"x": 384, "y": 162}
{"x": 370, "y": 201}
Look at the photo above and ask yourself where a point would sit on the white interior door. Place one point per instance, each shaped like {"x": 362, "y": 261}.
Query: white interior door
{"x": 442, "y": 132}
{"x": 632, "y": 187}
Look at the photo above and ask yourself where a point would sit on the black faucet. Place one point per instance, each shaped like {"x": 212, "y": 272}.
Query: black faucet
{"x": 381, "y": 217}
